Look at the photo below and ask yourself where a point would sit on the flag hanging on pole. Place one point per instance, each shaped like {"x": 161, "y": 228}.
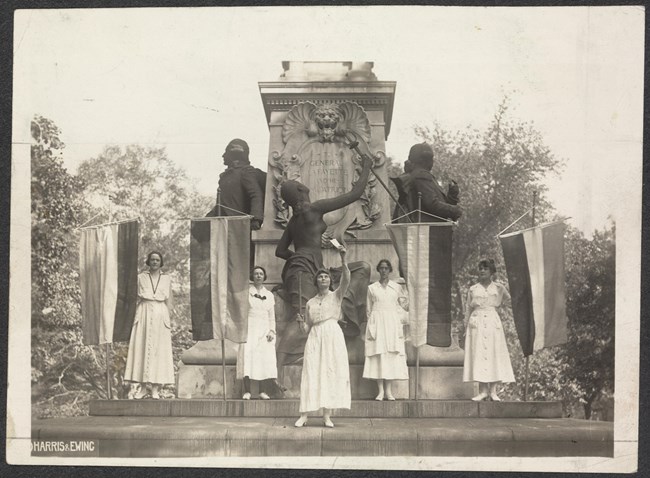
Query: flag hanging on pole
{"x": 424, "y": 252}
{"x": 535, "y": 265}
{"x": 108, "y": 274}
{"x": 219, "y": 262}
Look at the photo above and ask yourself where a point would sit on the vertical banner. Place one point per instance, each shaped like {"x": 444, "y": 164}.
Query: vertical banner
{"x": 108, "y": 274}
{"x": 535, "y": 266}
{"x": 219, "y": 282}
{"x": 424, "y": 252}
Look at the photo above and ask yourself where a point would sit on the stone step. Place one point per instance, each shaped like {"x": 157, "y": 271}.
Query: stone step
{"x": 146, "y": 437}
{"x": 360, "y": 408}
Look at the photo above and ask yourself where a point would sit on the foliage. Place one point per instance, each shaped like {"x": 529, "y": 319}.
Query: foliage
{"x": 63, "y": 370}
{"x": 498, "y": 171}
{"x": 140, "y": 182}
{"x": 591, "y": 299}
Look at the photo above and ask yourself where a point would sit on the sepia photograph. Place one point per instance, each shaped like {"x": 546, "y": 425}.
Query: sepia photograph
{"x": 340, "y": 237}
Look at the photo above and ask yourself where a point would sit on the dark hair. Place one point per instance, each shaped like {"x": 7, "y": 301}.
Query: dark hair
{"x": 257, "y": 267}
{"x": 319, "y": 272}
{"x": 162, "y": 263}
{"x": 488, "y": 264}
{"x": 387, "y": 262}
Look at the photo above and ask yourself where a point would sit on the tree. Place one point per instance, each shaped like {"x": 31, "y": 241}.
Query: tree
{"x": 64, "y": 372}
{"x": 497, "y": 172}
{"x": 591, "y": 299}
{"x": 141, "y": 182}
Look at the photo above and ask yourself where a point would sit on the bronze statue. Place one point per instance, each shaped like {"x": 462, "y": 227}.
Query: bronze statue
{"x": 304, "y": 231}
{"x": 402, "y": 184}
{"x": 438, "y": 205}
{"x": 241, "y": 185}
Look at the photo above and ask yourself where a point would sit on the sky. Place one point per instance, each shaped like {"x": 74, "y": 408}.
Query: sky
{"x": 187, "y": 79}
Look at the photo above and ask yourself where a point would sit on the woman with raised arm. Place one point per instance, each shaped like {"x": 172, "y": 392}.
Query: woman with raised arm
{"x": 325, "y": 379}
{"x": 304, "y": 231}
{"x": 149, "y": 360}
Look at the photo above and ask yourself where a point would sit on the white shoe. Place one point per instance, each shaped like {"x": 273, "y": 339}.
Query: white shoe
{"x": 155, "y": 395}
{"x": 264, "y": 396}
{"x": 301, "y": 422}
{"x": 247, "y": 396}
{"x": 379, "y": 397}
{"x": 480, "y": 397}
{"x": 328, "y": 422}
{"x": 140, "y": 394}
{"x": 494, "y": 397}
{"x": 390, "y": 397}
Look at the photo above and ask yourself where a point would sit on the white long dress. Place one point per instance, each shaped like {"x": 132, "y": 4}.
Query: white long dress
{"x": 486, "y": 352}
{"x": 325, "y": 370}
{"x": 384, "y": 339}
{"x": 256, "y": 358}
{"x": 150, "y": 358}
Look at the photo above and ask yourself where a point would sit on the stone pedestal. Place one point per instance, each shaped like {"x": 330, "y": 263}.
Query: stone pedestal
{"x": 200, "y": 373}
{"x": 435, "y": 383}
{"x": 363, "y": 100}
{"x": 309, "y": 110}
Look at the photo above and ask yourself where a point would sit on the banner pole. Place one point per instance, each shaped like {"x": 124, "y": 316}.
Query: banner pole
{"x": 223, "y": 367}
{"x": 417, "y": 350}
{"x": 109, "y": 389}
{"x": 417, "y": 371}
{"x": 527, "y": 356}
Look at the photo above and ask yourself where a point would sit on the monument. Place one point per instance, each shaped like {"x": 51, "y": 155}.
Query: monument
{"x": 313, "y": 111}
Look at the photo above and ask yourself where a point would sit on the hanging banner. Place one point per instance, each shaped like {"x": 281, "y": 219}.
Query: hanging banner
{"x": 535, "y": 266}
{"x": 108, "y": 274}
{"x": 219, "y": 278}
{"x": 424, "y": 251}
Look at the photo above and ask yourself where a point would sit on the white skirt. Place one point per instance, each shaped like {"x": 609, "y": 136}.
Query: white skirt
{"x": 387, "y": 366}
{"x": 325, "y": 369}
{"x": 486, "y": 352}
{"x": 150, "y": 357}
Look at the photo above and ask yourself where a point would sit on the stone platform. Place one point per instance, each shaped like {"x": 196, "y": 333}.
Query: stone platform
{"x": 170, "y": 436}
{"x": 359, "y": 409}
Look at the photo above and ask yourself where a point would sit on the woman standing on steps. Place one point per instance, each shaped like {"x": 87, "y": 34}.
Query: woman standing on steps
{"x": 325, "y": 369}
{"x": 149, "y": 360}
{"x": 487, "y": 360}
{"x": 384, "y": 340}
{"x": 256, "y": 358}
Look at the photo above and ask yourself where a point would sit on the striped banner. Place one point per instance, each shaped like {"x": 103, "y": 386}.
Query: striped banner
{"x": 108, "y": 274}
{"x": 535, "y": 265}
{"x": 219, "y": 278}
{"x": 424, "y": 252}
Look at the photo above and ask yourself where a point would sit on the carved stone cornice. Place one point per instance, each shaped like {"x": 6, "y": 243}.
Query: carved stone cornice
{"x": 371, "y": 95}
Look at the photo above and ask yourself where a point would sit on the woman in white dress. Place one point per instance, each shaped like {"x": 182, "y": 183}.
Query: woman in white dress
{"x": 487, "y": 360}
{"x": 256, "y": 358}
{"x": 384, "y": 339}
{"x": 149, "y": 360}
{"x": 325, "y": 369}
